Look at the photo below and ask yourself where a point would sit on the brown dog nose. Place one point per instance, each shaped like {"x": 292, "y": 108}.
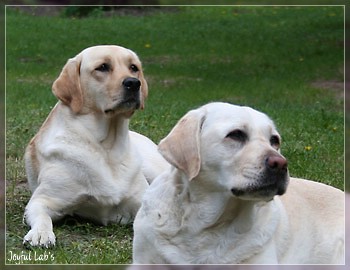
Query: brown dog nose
{"x": 132, "y": 84}
{"x": 275, "y": 162}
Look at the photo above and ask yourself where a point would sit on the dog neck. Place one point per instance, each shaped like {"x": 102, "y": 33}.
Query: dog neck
{"x": 115, "y": 132}
{"x": 218, "y": 208}
{"x": 110, "y": 132}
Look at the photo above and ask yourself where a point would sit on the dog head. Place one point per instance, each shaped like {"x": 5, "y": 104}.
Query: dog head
{"x": 102, "y": 79}
{"x": 229, "y": 148}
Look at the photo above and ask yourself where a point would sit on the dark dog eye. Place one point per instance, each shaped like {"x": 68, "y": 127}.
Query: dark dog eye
{"x": 103, "y": 68}
{"x": 134, "y": 68}
{"x": 237, "y": 135}
{"x": 275, "y": 141}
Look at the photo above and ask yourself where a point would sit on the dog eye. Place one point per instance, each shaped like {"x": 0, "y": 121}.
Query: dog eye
{"x": 103, "y": 68}
{"x": 134, "y": 68}
{"x": 237, "y": 135}
{"x": 275, "y": 141}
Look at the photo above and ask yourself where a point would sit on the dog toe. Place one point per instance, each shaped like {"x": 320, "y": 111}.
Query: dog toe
{"x": 40, "y": 238}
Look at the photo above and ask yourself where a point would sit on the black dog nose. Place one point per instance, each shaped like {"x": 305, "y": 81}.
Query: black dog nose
{"x": 277, "y": 163}
{"x": 132, "y": 84}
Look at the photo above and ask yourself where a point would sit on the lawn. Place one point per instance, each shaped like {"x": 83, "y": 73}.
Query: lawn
{"x": 285, "y": 61}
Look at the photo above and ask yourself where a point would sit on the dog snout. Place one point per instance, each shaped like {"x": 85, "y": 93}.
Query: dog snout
{"x": 132, "y": 84}
{"x": 276, "y": 163}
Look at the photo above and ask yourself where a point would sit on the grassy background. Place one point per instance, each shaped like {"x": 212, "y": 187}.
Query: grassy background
{"x": 285, "y": 61}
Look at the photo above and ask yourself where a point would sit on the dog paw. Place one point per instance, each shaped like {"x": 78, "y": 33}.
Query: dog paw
{"x": 40, "y": 238}
{"x": 124, "y": 220}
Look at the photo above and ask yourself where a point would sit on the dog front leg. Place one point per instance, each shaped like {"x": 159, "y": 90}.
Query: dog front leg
{"x": 38, "y": 216}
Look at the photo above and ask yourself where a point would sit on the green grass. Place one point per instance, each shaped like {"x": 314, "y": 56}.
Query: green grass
{"x": 264, "y": 57}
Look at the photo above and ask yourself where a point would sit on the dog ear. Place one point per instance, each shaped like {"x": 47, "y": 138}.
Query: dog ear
{"x": 67, "y": 86}
{"x": 144, "y": 90}
{"x": 181, "y": 147}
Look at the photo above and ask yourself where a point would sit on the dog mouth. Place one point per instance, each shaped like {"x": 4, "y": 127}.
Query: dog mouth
{"x": 258, "y": 192}
{"x": 124, "y": 106}
{"x": 265, "y": 188}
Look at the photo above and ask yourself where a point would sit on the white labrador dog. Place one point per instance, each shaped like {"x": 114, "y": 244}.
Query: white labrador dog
{"x": 221, "y": 201}
{"x": 84, "y": 160}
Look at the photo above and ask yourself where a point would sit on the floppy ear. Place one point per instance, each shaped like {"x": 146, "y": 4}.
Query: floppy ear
{"x": 181, "y": 147}
{"x": 67, "y": 86}
{"x": 144, "y": 90}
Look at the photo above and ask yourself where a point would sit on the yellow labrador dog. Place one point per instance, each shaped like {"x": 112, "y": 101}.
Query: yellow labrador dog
{"x": 84, "y": 160}
{"x": 225, "y": 200}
